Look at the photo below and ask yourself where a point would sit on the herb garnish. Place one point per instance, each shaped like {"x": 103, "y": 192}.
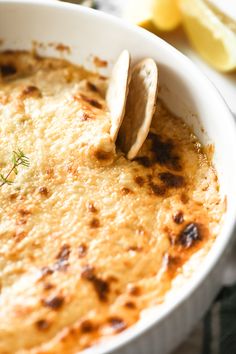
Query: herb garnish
{"x": 18, "y": 159}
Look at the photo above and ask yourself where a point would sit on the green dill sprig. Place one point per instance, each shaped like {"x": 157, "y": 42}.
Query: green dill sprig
{"x": 18, "y": 159}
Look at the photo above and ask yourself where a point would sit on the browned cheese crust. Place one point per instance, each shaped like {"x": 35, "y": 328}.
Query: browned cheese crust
{"x": 88, "y": 238}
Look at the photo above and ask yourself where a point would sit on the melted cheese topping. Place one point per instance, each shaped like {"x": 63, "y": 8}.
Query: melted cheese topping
{"x": 88, "y": 238}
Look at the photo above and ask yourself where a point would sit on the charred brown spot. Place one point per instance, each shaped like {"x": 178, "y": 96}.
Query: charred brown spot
{"x": 87, "y": 326}
{"x": 100, "y": 286}
{"x": 42, "y": 325}
{"x": 64, "y": 253}
{"x": 157, "y": 189}
{"x": 43, "y": 191}
{"x": 73, "y": 331}
{"x": 85, "y": 116}
{"x": 139, "y": 180}
{"x": 91, "y": 101}
{"x": 144, "y": 161}
{"x": 23, "y": 216}
{"x": 102, "y": 155}
{"x": 164, "y": 152}
{"x": 48, "y": 286}
{"x": 92, "y": 208}
{"x": 130, "y": 305}
{"x": 134, "y": 290}
{"x": 50, "y": 172}
{"x": 87, "y": 272}
{"x": 112, "y": 279}
{"x": 171, "y": 180}
{"x": 101, "y": 77}
{"x": 178, "y": 217}
{"x": 117, "y": 323}
{"x": 125, "y": 191}
{"x": 82, "y": 250}
{"x": 13, "y": 52}
{"x": 45, "y": 271}
{"x": 8, "y": 69}
{"x": 62, "y": 48}
{"x": 184, "y": 198}
{"x": 73, "y": 168}
{"x": 24, "y": 212}
{"x": 94, "y": 223}
{"x": 54, "y": 303}
{"x": 92, "y": 87}
{"x": 189, "y": 235}
{"x": 19, "y": 235}
{"x": 32, "y": 91}
{"x": 99, "y": 63}
{"x": 62, "y": 259}
{"x": 172, "y": 263}
{"x": 171, "y": 260}
{"x": 60, "y": 265}
{"x": 13, "y": 196}
{"x": 134, "y": 248}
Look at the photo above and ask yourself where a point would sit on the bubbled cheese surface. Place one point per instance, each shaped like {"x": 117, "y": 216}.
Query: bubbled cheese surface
{"x": 88, "y": 238}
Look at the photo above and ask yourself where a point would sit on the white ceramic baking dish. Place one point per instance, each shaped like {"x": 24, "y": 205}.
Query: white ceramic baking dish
{"x": 186, "y": 92}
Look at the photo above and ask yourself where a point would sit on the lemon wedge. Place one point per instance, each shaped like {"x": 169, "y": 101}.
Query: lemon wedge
{"x": 166, "y": 14}
{"x": 138, "y": 12}
{"x": 211, "y": 33}
{"x": 154, "y": 15}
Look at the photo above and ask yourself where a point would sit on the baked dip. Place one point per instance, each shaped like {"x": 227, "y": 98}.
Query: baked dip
{"x": 89, "y": 239}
